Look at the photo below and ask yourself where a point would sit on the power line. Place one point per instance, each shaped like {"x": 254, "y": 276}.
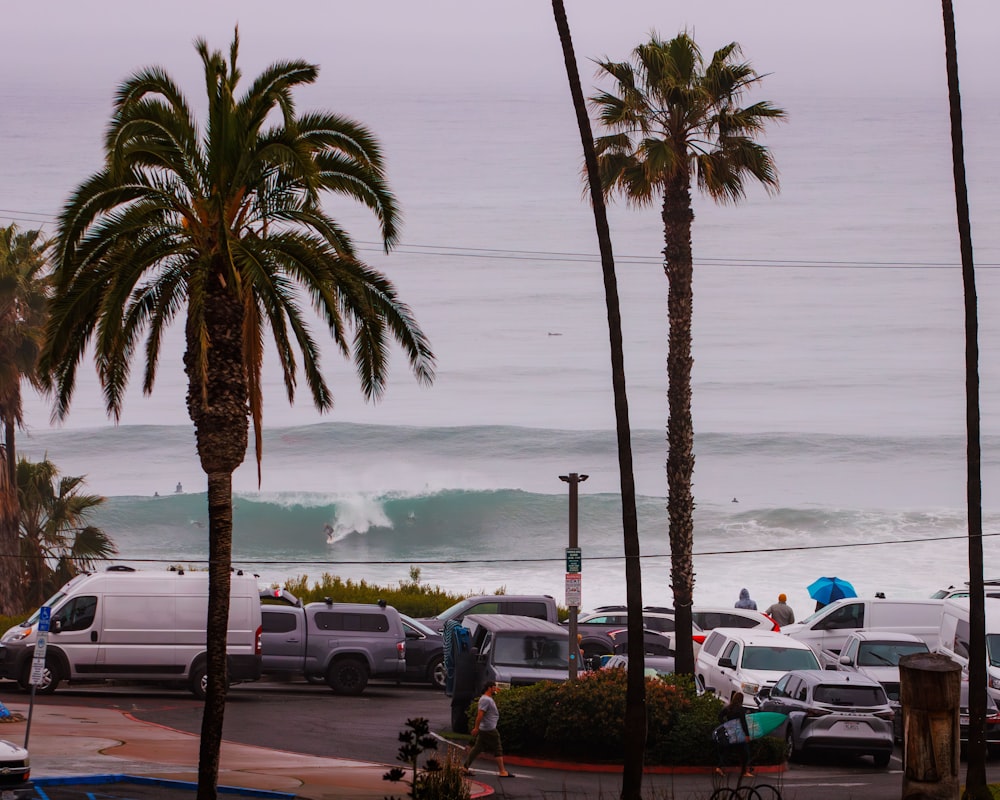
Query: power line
{"x": 448, "y": 251}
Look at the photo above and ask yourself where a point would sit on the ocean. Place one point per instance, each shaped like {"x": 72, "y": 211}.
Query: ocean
{"x": 828, "y": 379}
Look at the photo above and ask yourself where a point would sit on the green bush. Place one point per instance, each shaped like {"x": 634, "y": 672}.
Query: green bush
{"x": 584, "y": 720}
{"x": 409, "y": 597}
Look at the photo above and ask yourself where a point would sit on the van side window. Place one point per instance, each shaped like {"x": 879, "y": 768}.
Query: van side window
{"x": 78, "y": 614}
{"x": 277, "y": 623}
{"x": 851, "y": 615}
{"x": 527, "y": 609}
{"x": 339, "y": 621}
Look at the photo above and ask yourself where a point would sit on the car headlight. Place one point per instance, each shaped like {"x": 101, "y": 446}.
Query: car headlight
{"x": 995, "y": 683}
{"x": 749, "y": 688}
{"x": 16, "y": 635}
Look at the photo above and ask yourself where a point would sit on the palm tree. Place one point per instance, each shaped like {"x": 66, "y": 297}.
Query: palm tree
{"x": 635, "y": 692}
{"x": 57, "y": 542}
{"x": 224, "y": 223}
{"x": 24, "y": 286}
{"x": 975, "y": 783}
{"x": 673, "y": 119}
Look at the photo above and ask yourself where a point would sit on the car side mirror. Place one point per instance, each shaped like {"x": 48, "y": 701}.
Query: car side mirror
{"x": 845, "y": 660}
{"x": 56, "y": 625}
{"x": 727, "y": 663}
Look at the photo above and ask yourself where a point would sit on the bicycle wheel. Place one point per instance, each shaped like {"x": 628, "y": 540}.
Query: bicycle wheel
{"x": 746, "y": 792}
{"x": 767, "y": 792}
{"x": 724, "y": 793}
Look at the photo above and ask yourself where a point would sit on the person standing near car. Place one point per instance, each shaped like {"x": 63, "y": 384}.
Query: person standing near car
{"x": 745, "y": 601}
{"x": 781, "y": 612}
{"x": 485, "y": 731}
{"x": 735, "y": 709}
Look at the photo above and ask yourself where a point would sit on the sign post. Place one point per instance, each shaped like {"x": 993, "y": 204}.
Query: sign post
{"x": 574, "y": 564}
{"x": 38, "y": 663}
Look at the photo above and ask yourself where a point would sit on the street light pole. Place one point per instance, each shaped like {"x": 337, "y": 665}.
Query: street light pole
{"x": 573, "y": 570}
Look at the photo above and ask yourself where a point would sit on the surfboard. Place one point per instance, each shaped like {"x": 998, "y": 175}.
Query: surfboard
{"x": 760, "y": 724}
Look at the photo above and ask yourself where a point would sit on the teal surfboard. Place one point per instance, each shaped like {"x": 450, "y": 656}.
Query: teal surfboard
{"x": 760, "y": 724}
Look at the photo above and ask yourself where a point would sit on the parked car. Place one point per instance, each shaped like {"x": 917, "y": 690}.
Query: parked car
{"x": 956, "y": 630}
{"x": 15, "y": 772}
{"x": 833, "y": 712}
{"x": 517, "y": 651}
{"x": 739, "y": 660}
{"x": 595, "y": 628}
{"x": 539, "y": 606}
{"x": 992, "y": 721}
{"x": 424, "y": 653}
{"x": 711, "y": 618}
{"x": 656, "y": 666}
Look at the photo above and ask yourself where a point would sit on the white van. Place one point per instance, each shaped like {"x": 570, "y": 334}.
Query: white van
{"x": 134, "y": 625}
{"x": 955, "y": 637}
{"x": 828, "y": 628}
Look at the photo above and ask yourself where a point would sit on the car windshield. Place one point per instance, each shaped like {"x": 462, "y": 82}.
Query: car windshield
{"x": 530, "y": 650}
{"x": 887, "y": 654}
{"x": 850, "y": 696}
{"x": 778, "y": 659}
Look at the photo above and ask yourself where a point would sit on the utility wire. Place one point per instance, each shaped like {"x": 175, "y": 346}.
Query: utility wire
{"x": 448, "y": 251}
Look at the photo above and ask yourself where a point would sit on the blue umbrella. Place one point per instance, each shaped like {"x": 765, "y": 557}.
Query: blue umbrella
{"x": 826, "y": 590}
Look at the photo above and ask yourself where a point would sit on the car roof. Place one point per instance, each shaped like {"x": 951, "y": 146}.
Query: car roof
{"x": 827, "y": 677}
{"x": 887, "y": 636}
{"x": 513, "y": 623}
{"x": 761, "y": 638}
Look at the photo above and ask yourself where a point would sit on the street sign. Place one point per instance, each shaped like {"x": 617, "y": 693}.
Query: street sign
{"x": 574, "y": 589}
{"x": 41, "y": 643}
{"x": 574, "y": 560}
{"x": 44, "y": 617}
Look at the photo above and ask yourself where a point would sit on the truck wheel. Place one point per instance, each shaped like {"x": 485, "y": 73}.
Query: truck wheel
{"x": 881, "y": 760}
{"x": 348, "y": 676}
{"x": 437, "y": 674}
{"x": 199, "y": 681}
{"x": 51, "y": 677}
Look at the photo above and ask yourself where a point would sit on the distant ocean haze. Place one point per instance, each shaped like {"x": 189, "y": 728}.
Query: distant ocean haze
{"x": 828, "y": 379}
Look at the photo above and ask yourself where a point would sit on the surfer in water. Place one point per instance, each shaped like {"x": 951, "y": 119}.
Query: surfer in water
{"x": 735, "y": 710}
{"x": 330, "y": 533}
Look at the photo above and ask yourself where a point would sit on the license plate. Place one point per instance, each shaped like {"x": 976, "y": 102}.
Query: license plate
{"x": 7, "y": 794}
{"x": 851, "y": 726}
{"x": 963, "y": 720}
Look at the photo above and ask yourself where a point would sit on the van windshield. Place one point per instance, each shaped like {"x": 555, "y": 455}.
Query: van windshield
{"x": 530, "y": 650}
{"x": 993, "y": 649}
{"x": 52, "y": 602}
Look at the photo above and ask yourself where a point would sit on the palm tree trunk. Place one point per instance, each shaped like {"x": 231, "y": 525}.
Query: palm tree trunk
{"x": 635, "y": 697}
{"x": 220, "y": 515}
{"x": 11, "y": 600}
{"x": 677, "y": 219}
{"x": 975, "y": 781}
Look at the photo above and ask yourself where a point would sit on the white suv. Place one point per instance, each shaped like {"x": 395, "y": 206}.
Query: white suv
{"x": 741, "y": 660}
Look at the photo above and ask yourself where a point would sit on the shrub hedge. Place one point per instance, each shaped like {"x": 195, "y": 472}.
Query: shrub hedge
{"x": 584, "y": 721}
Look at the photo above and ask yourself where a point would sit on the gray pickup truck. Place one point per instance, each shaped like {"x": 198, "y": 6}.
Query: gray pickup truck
{"x": 341, "y": 644}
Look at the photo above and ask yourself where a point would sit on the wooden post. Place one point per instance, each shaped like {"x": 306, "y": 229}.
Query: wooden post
{"x": 930, "y": 686}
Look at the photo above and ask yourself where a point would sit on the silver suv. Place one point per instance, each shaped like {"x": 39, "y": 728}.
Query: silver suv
{"x": 343, "y": 644}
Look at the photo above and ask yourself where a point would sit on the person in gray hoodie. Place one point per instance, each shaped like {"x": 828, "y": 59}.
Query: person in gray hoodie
{"x": 745, "y": 601}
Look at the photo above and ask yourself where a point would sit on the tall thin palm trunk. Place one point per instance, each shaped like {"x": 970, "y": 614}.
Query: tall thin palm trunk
{"x": 635, "y": 699}
{"x": 975, "y": 782}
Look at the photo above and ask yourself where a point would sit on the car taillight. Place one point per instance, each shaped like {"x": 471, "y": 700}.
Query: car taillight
{"x": 699, "y": 638}
{"x": 817, "y": 712}
{"x": 401, "y": 650}
{"x": 774, "y": 623}
{"x": 889, "y": 715}
{"x": 258, "y": 641}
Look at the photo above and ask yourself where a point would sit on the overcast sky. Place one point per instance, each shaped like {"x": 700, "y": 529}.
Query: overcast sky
{"x": 867, "y": 46}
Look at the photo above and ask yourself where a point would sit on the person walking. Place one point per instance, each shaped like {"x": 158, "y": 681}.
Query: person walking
{"x": 781, "y": 612}
{"x": 745, "y": 601}
{"x": 486, "y": 733}
{"x": 736, "y": 710}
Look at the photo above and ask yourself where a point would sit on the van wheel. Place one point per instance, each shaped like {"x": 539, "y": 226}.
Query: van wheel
{"x": 51, "y": 677}
{"x": 437, "y": 674}
{"x": 199, "y": 681}
{"x": 348, "y": 676}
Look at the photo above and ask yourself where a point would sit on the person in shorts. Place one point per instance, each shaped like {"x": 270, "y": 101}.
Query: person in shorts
{"x": 485, "y": 731}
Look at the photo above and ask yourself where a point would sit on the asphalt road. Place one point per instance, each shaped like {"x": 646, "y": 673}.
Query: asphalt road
{"x": 311, "y": 719}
